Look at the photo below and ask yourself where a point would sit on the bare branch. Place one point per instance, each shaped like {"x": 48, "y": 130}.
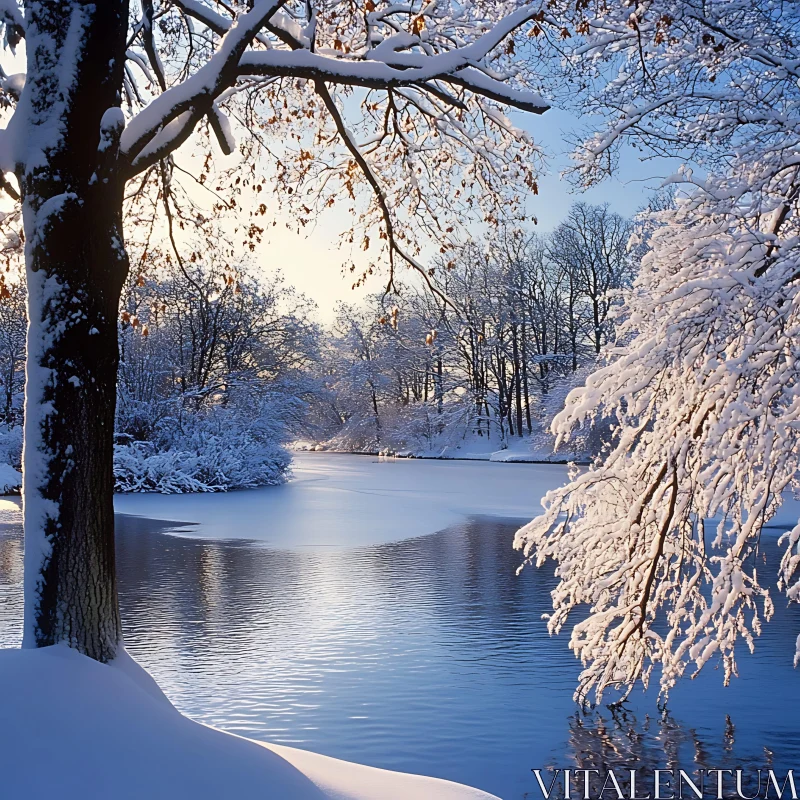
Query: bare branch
{"x": 373, "y": 181}
{"x": 149, "y": 45}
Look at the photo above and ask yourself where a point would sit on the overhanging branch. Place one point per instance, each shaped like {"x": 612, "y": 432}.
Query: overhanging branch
{"x": 170, "y": 119}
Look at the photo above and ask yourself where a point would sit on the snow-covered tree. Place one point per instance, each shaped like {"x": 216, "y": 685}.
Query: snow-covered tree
{"x": 111, "y": 89}
{"x": 359, "y": 376}
{"x": 413, "y": 372}
{"x": 199, "y": 334}
{"x": 13, "y": 323}
{"x": 660, "y": 539}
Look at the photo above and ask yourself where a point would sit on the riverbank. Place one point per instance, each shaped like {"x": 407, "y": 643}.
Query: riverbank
{"x": 77, "y": 729}
{"x": 519, "y": 451}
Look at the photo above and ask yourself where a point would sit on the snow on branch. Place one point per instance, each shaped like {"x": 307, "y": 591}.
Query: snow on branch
{"x": 221, "y": 126}
{"x": 11, "y": 17}
{"x": 447, "y": 67}
{"x": 247, "y": 51}
{"x": 182, "y": 106}
{"x": 210, "y": 18}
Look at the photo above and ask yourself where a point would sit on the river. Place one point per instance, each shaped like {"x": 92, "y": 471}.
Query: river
{"x": 371, "y": 611}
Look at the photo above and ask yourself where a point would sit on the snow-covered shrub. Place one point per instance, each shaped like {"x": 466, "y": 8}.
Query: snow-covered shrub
{"x": 217, "y": 450}
{"x": 10, "y": 459}
{"x": 215, "y": 463}
{"x": 586, "y": 442}
{"x": 11, "y": 445}
{"x": 424, "y": 429}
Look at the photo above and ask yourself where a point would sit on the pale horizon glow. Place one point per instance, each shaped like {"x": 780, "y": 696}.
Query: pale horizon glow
{"x": 311, "y": 261}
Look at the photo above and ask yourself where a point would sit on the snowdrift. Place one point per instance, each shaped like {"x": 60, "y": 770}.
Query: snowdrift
{"x": 76, "y": 729}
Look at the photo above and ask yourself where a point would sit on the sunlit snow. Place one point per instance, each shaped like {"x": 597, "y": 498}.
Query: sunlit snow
{"x": 337, "y": 500}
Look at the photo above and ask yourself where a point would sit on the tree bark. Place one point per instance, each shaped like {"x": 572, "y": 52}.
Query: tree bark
{"x": 525, "y": 388}
{"x": 76, "y": 267}
{"x": 517, "y": 379}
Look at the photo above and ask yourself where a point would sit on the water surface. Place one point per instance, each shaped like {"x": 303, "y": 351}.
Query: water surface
{"x": 427, "y": 654}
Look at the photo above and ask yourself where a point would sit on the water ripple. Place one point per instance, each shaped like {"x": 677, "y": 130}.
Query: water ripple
{"x": 426, "y": 655}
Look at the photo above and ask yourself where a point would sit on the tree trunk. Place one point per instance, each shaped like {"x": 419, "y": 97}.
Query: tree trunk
{"x": 377, "y": 415}
{"x": 517, "y": 380}
{"x": 573, "y": 323}
{"x": 76, "y": 266}
{"x": 12, "y": 368}
{"x": 439, "y": 386}
{"x": 525, "y": 388}
{"x": 597, "y": 329}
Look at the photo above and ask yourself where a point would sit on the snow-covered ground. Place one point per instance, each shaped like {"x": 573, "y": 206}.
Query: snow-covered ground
{"x": 75, "y": 729}
{"x": 342, "y": 500}
{"x": 346, "y": 500}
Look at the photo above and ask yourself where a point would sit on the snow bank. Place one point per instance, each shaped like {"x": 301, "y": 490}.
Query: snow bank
{"x": 76, "y": 729}
{"x": 453, "y": 443}
{"x": 530, "y": 449}
{"x": 522, "y": 451}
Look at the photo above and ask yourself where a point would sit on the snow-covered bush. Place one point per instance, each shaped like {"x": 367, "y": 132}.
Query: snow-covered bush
{"x": 212, "y": 380}
{"x": 586, "y": 442}
{"x": 10, "y": 459}
{"x": 11, "y": 445}
{"x": 224, "y": 449}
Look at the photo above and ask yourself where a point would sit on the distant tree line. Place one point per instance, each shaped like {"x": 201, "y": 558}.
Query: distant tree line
{"x": 524, "y": 314}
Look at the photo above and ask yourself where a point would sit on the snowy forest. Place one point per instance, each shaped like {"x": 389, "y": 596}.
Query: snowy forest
{"x": 220, "y": 375}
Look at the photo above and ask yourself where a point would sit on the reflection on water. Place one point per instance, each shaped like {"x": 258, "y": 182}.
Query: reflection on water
{"x": 426, "y": 655}
{"x": 619, "y": 741}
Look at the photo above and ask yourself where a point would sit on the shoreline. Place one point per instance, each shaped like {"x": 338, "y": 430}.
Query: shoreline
{"x": 514, "y": 459}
